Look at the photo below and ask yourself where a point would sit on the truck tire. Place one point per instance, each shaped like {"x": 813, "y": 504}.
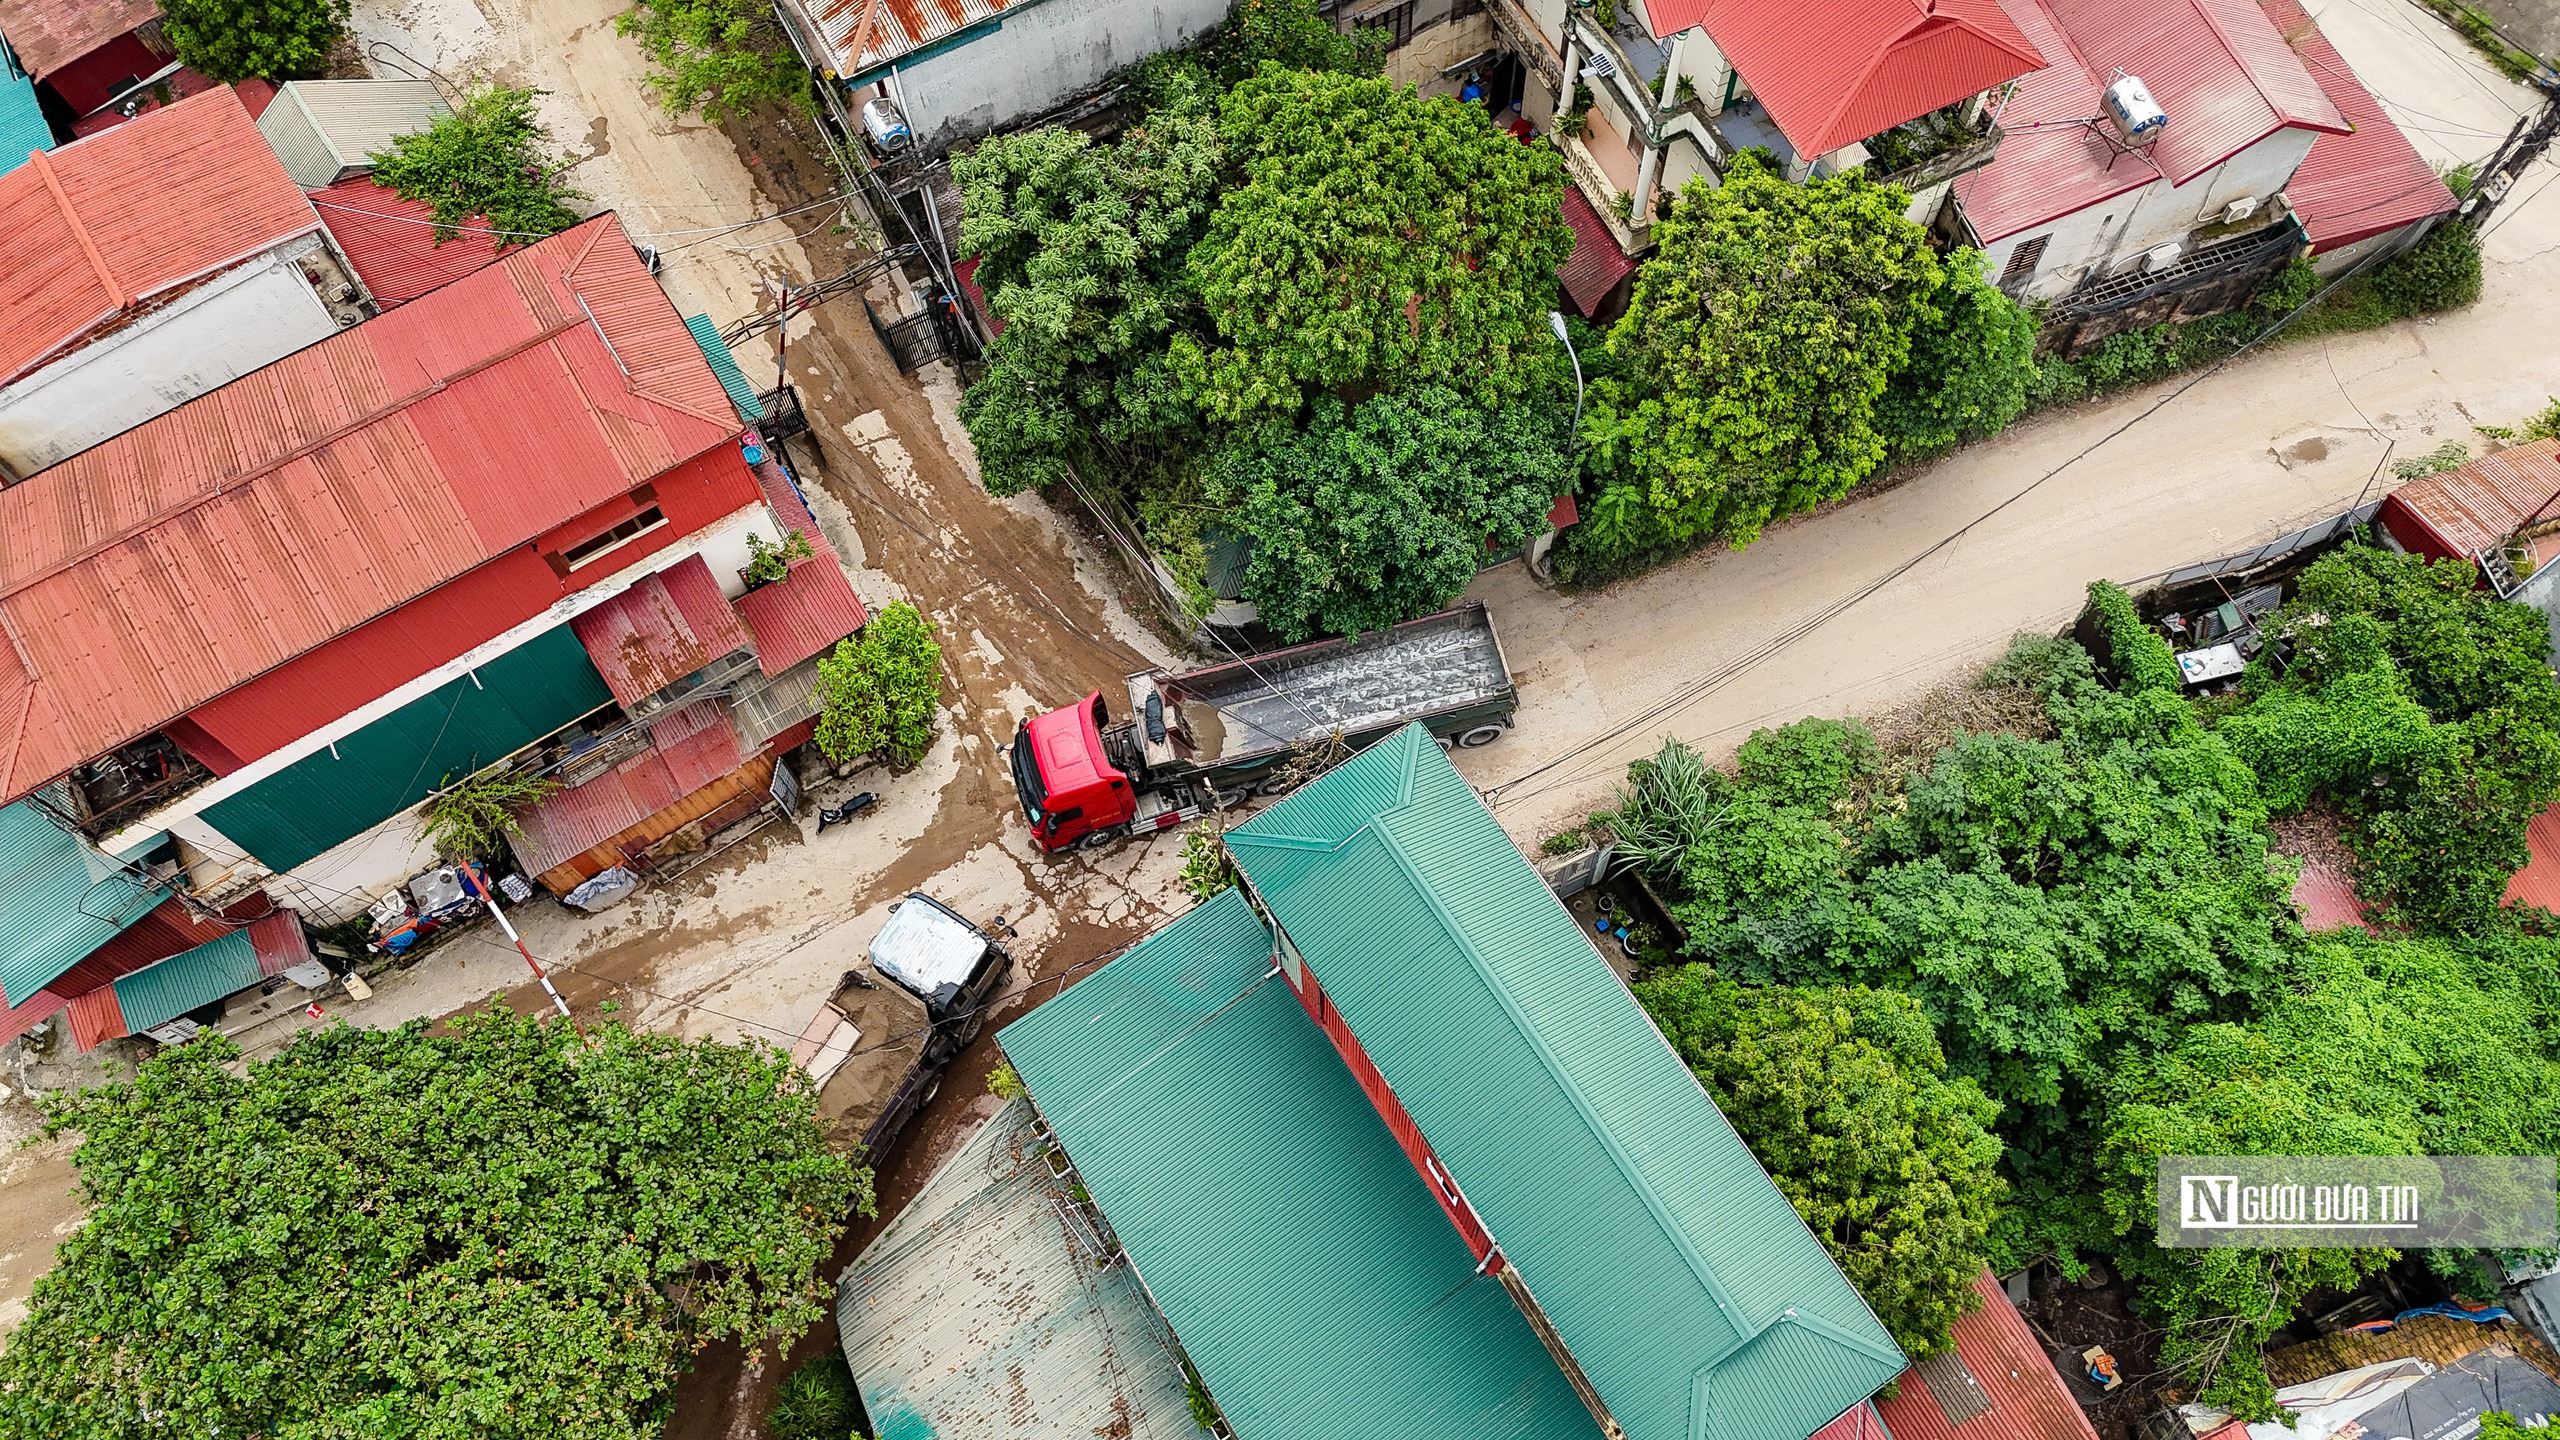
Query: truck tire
{"x": 1104, "y": 839}
{"x": 1232, "y": 796}
{"x": 1481, "y": 735}
{"x": 1278, "y": 783}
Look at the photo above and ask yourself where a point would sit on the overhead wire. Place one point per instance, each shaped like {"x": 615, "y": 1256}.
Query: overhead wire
{"x": 1690, "y": 692}
{"x": 494, "y": 233}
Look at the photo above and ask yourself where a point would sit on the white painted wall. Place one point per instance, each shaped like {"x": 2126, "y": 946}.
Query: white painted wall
{"x": 1039, "y": 56}
{"x": 2094, "y": 241}
{"x": 250, "y": 316}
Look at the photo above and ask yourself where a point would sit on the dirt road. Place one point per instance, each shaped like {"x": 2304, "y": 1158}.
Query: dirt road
{"x": 2277, "y": 440}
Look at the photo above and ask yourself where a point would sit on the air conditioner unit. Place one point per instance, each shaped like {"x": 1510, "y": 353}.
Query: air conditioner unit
{"x": 2239, "y": 210}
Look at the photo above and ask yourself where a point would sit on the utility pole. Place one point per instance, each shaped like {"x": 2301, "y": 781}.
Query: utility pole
{"x": 2531, "y": 135}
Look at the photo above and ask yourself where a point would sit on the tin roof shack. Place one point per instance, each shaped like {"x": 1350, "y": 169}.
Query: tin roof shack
{"x": 1510, "y": 1210}
{"x": 1998, "y": 1383}
{"x": 992, "y": 1308}
{"x": 325, "y": 131}
{"x": 147, "y": 266}
{"x": 959, "y": 69}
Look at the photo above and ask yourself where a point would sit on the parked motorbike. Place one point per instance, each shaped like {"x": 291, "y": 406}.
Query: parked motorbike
{"x": 839, "y": 814}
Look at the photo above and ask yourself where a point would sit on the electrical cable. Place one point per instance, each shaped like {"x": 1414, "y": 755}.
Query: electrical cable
{"x": 1690, "y": 692}
{"x": 494, "y": 233}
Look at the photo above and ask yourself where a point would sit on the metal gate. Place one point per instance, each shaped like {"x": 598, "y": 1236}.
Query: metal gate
{"x": 914, "y": 341}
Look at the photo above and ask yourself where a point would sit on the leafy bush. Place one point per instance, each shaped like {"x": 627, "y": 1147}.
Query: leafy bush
{"x": 1004, "y": 1084}
{"x": 768, "y": 562}
{"x": 2303, "y": 744}
{"x": 1207, "y": 868}
{"x": 233, "y": 40}
{"x": 486, "y": 159}
{"x": 2140, "y": 659}
{"x": 506, "y": 1226}
{"x": 877, "y": 695}
{"x": 472, "y": 820}
{"x": 1371, "y": 516}
{"x": 816, "y": 1401}
{"x": 1669, "y": 803}
{"x": 1843, "y": 1097}
{"x": 719, "y": 57}
{"x": 1972, "y": 356}
{"x": 2440, "y": 272}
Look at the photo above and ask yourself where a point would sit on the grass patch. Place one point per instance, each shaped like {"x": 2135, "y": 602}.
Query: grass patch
{"x": 817, "y": 1402}
{"x": 2476, "y": 27}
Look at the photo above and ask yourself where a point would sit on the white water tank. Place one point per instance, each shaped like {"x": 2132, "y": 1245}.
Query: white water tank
{"x": 2137, "y": 117}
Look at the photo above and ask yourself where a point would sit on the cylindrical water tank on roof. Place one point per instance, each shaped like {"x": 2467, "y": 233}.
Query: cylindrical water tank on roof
{"x": 882, "y": 122}
{"x": 2137, "y": 117}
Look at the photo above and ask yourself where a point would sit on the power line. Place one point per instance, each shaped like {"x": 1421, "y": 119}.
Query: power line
{"x": 1690, "y": 692}
{"x": 496, "y": 234}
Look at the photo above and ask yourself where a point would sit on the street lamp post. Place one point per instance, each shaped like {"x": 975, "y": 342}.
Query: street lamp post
{"x": 1555, "y": 322}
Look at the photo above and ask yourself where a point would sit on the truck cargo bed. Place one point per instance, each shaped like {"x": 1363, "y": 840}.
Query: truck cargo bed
{"x": 1244, "y": 709}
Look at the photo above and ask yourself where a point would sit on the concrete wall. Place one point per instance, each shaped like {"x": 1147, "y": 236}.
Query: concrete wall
{"x": 2093, "y": 242}
{"x": 250, "y": 316}
{"x": 1036, "y": 57}
{"x": 1439, "y": 42}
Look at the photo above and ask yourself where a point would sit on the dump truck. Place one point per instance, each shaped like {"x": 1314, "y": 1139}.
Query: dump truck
{"x": 878, "y": 1045}
{"x": 1206, "y": 739}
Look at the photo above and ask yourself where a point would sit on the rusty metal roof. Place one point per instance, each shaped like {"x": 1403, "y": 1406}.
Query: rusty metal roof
{"x": 49, "y": 34}
{"x": 666, "y": 626}
{"x": 102, "y": 225}
{"x": 1597, "y": 264}
{"x": 862, "y": 34}
{"x": 695, "y": 745}
{"x": 2219, "y": 69}
{"x": 803, "y": 614}
{"x": 334, "y": 486}
{"x": 2477, "y": 506}
{"x": 1997, "y": 1384}
{"x": 392, "y": 242}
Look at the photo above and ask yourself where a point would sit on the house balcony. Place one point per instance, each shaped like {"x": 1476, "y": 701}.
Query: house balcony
{"x": 1935, "y": 148}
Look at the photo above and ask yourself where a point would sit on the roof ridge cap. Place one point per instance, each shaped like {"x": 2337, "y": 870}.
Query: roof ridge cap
{"x": 2222, "y": 35}
{"x": 1743, "y": 1325}
{"x": 43, "y": 164}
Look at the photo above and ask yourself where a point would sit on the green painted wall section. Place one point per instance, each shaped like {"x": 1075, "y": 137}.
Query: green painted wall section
{"x": 334, "y": 795}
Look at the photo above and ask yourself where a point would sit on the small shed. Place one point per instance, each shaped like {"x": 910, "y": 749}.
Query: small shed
{"x": 326, "y": 131}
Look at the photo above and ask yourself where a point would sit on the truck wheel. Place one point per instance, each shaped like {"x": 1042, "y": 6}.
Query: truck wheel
{"x": 1229, "y": 797}
{"x": 1279, "y": 784}
{"x": 1103, "y": 839}
{"x": 1481, "y": 735}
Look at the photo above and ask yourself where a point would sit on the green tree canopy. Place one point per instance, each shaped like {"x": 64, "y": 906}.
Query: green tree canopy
{"x": 1378, "y": 240}
{"x": 1081, "y": 253}
{"x": 2399, "y": 1047}
{"x": 1758, "y": 342}
{"x": 1378, "y": 514}
{"x": 503, "y": 1227}
{"x": 877, "y": 695}
{"x": 1972, "y": 354}
{"x": 1842, "y": 1096}
{"x": 489, "y": 158}
{"x": 233, "y": 40}
{"x": 718, "y": 57}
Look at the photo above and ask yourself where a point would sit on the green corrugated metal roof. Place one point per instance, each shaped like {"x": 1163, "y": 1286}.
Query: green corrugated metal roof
{"x": 725, "y": 365}
{"x": 59, "y": 900}
{"x": 335, "y": 794}
{"x": 1311, "y": 1277}
{"x": 22, "y": 126}
{"x": 186, "y": 980}
{"x": 1679, "y": 1278}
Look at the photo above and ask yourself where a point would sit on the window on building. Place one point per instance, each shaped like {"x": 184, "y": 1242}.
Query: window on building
{"x": 1464, "y": 8}
{"x": 638, "y": 525}
{"x": 2023, "y": 261}
{"x": 1395, "y": 19}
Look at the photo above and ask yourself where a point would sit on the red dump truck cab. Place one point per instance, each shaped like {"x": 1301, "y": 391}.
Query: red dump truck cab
{"x": 1068, "y": 786}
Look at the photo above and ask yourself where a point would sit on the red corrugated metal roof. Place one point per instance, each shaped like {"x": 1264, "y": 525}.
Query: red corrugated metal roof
{"x": 701, "y": 746}
{"x": 2326, "y": 898}
{"x": 392, "y": 242}
{"x": 662, "y": 629}
{"x": 2477, "y": 506}
{"x": 279, "y": 942}
{"x": 2538, "y": 883}
{"x": 1865, "y": 66}
{"x": 49, "y": 34}
{"x": 2362, "y": 183}
{"x": 2027, "y": 1399}
{"x": 333, "y": 486}
{"x": 1596, "y": 264}
{"x": 19, "y": 1019}
{"x": 967, "y": 274}
{"x": 95, "y": 1017}
{"x": 2225, "y": 77}
{"x": 105, "y": 223}
{"x": 802, "y": 614}
{"x": 1859, "y": 1424}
